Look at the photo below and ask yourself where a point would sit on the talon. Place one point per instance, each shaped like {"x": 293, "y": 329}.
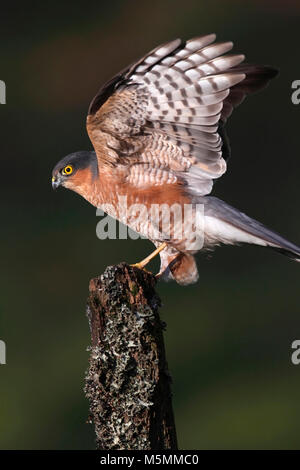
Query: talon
{"x": 144, "y": 262}
{"x": 140, "y": 266}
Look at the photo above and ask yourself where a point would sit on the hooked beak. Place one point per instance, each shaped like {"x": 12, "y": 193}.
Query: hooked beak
{"x": 56, "y": 181}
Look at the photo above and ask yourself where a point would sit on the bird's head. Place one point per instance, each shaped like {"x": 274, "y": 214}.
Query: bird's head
{"x": 75, "y": 171}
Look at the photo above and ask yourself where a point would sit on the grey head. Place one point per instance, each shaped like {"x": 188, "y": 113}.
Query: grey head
{"x": 72, "y": 164}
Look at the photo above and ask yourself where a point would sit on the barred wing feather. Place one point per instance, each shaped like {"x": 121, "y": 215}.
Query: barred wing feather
{"x": 163, "y": 117}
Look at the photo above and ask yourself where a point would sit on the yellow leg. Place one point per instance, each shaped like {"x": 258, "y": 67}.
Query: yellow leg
{"x": 152, "y": 255}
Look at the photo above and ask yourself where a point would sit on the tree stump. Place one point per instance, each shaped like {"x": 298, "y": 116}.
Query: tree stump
{"x": 128, "y": 383}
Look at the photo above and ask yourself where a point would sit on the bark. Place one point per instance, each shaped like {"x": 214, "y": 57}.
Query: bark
{"x": 128, "y": 383}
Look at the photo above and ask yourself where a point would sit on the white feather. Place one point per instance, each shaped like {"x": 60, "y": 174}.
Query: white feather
{"x": 218, "y": 231}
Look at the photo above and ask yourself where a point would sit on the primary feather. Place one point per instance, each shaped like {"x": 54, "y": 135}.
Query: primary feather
{"x": 174, "y": 101}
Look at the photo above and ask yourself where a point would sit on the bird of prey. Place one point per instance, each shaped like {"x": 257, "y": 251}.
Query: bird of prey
{"x": 158, "y": 131}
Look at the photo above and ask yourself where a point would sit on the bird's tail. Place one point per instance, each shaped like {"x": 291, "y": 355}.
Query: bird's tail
{"x": 239, "y": 228}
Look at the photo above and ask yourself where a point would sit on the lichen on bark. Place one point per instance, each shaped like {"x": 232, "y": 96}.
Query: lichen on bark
{"x": 128, "y": 383}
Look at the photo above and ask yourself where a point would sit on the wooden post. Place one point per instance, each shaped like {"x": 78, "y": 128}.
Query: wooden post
{"x": 128, "y": 383}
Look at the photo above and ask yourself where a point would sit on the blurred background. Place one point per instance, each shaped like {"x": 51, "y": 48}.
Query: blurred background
{"x": 229, "y": 337}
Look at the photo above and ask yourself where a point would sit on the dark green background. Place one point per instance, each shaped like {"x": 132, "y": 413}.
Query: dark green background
{"x": 229, "y": 337}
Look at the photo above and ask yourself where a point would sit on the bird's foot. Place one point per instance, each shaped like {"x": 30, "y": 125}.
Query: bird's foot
{"x": 142, "y": 267}
{"x": 144, "y": 262}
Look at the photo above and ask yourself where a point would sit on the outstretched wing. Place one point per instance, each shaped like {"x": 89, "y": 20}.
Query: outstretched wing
{"x": 161, "y": 120}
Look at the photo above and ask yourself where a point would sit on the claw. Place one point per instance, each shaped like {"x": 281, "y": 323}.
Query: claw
{"x": 140, "y": 266}
{"x": 144, "y": 262}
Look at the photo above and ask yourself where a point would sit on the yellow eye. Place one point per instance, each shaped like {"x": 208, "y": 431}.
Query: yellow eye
{"x": 68, "y": 170}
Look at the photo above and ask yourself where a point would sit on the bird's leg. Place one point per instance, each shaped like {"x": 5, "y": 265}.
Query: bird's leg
{"x": 144, "y": 262}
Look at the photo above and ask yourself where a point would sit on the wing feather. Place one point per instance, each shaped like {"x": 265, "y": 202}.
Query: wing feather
{"x": 162, "y": 118}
